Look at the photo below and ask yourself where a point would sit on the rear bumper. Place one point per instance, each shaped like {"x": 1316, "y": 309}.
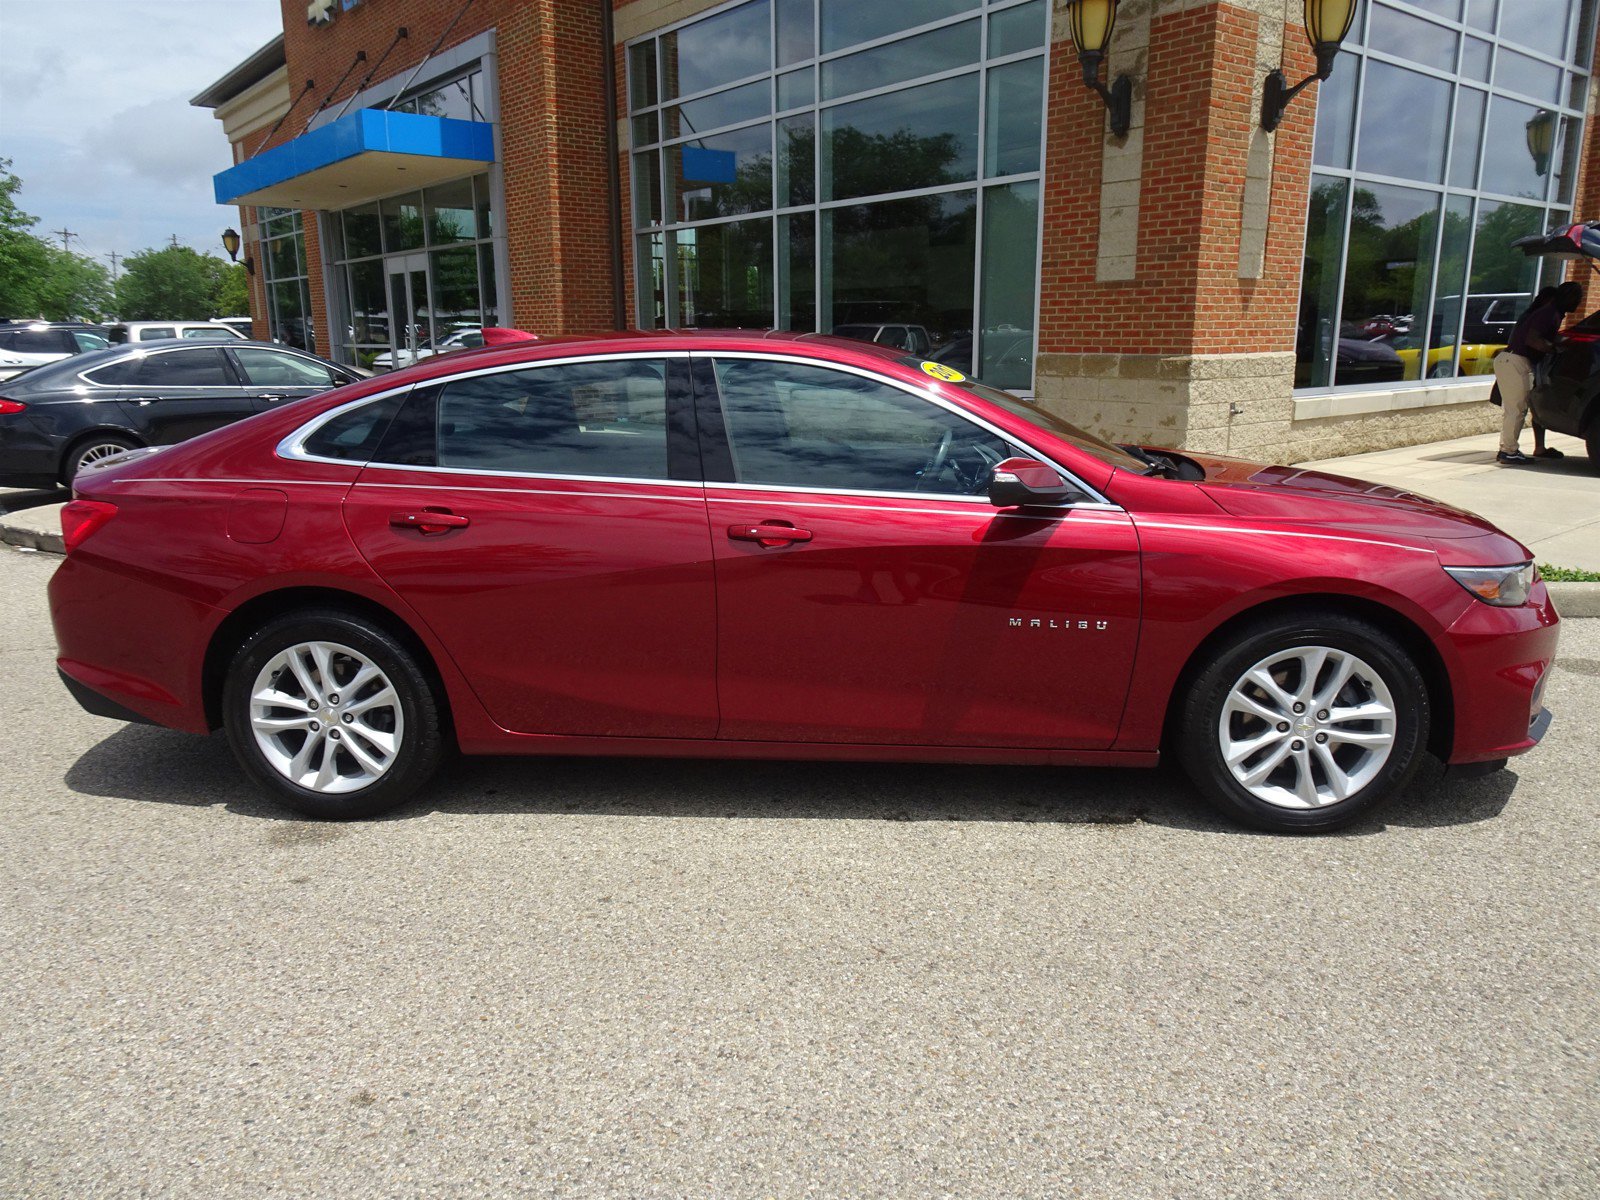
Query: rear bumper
{"x": 98, "y": 705}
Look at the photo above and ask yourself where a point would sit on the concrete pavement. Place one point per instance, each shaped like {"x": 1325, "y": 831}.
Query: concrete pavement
{"x": 586, "y": 978}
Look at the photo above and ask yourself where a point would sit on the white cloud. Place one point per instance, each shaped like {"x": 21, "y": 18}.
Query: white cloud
{"x": 94, "y": 114}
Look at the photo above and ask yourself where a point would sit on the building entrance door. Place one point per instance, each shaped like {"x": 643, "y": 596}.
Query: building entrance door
{"x": 410, "y": 313}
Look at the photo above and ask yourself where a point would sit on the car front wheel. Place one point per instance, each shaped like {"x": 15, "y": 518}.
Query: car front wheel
{"x": 1305, "y": 724}
{"x": 332, "y": 715}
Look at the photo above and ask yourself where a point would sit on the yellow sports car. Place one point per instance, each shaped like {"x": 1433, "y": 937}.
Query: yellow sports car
{"x": 1477, "y": 358}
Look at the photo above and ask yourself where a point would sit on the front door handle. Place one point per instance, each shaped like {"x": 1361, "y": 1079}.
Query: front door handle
{"x": 429, "y": 520}
{"x": 769, "y": 533}
{"x": 269, "y": 396}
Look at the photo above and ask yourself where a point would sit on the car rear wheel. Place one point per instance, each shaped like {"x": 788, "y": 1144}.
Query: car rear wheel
{"x": 1592, "y": 442}
{"x": 92, "y": 450}
{"x": 1305, "y": 724}
{"x": 332, "y": 715}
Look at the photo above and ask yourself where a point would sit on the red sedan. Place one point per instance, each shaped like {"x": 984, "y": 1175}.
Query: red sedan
{"x": 781, "y": 546}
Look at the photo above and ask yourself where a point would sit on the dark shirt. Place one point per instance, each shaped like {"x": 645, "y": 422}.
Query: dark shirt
{"x": 1545, "y": 322}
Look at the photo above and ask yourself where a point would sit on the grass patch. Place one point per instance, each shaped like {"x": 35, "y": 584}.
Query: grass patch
{"x": 1567, "y": 574}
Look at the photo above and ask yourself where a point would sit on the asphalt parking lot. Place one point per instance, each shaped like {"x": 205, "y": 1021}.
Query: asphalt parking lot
{"x": 585, "y": 978}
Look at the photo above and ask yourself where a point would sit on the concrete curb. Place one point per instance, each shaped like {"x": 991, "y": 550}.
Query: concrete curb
{"x": 40, "y": 529}
{"x": 35, "y": 528}
{"x": 1576, "y": 599}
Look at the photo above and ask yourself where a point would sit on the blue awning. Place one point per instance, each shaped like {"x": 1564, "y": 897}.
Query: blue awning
{"x": 361, "y": 156}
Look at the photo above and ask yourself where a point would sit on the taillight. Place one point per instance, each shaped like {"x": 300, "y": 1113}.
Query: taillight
{"x": 7, "y": 407}
{"x": 80, "y": 518}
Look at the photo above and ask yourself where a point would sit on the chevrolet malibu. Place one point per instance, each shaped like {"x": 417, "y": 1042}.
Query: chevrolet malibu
{"x": 781, "y": 546}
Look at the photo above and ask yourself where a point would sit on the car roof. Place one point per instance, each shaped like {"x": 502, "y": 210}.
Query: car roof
{"x": 93, "y": 359}
{"x": 771, "y": 341}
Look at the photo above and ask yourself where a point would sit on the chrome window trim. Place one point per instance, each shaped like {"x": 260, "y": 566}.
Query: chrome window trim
{"x": 292, "y": 445}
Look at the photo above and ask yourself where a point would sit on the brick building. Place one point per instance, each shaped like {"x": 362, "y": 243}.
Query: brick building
{"x": 935, "y": 173}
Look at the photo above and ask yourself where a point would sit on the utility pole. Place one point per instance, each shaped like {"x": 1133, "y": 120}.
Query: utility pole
{"x": 66, "y": 236}
{"x": 115, "y": 259}
{"x": 174, "y": 240}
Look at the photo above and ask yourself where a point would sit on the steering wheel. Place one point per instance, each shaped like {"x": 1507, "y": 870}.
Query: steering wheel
{"x": 931, "y": 468}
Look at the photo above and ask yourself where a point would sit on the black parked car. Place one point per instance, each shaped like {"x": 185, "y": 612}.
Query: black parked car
{"x": 59, "y": 416}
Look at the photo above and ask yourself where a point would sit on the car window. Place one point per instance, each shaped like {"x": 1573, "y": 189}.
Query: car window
{"x": 153, "y": 333}
{"x": 605, "y": 418}
{"x": 210, "y": 335}
{"x": 88, "y": 341}
{"x": 41, "y": 341}
{"x": 793, "y": 425}
{"x": 354, "y": 435}
{"x": 122, "y": 372}
{"x": 273, "y": 368}
{"x": 186, "y": 368}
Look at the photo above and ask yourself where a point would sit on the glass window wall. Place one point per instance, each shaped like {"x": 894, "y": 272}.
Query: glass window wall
{"x": 283, "y": 265}
{"x": 864, "y": 169}
{"x": 1448, "y": 130}
{"x": 449, "y": 229}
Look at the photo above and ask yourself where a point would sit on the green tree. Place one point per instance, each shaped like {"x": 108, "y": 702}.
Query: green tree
{"x": 172, "y": 284}
{"x": 233, "y": 296}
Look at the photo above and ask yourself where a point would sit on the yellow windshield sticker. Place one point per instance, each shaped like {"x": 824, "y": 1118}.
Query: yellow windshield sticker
{"x": 940, "y": 371}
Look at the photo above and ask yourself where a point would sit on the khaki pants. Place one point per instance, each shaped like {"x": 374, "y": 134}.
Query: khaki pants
{"x": 1514, "y": 374}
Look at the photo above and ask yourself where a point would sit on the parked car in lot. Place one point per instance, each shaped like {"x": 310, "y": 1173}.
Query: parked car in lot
{"x": 28, "y": 344}
{"x": 156, "y": 331}
{"x": 60, "y": 416}
{"x": 461, "y": 339}
{"x": 913, "y": 339}
{"x": 782, "y": 546}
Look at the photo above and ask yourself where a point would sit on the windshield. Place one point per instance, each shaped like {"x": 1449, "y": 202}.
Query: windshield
{"x": 1051, "y": 424}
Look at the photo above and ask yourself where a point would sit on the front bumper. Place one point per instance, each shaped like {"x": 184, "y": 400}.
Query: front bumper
{"x": 1501, "y": 659}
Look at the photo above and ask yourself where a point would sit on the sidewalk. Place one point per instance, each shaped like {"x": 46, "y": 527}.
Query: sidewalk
{"x": 1552, "y": 506}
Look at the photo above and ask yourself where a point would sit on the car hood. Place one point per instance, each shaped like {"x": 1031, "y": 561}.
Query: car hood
{"x": 1256, "y": 490}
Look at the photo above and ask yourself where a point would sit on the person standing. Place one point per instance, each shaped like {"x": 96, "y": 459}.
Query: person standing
{"x": 1534, "y": 336}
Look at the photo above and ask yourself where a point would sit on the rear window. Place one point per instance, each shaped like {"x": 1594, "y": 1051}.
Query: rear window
{"x": 354, "y": 436}
{"x": 125, "y": 371}
{"x": 154, "y": 333}
{"x": 210, "y": 335}
{"x": 40, "y": 341}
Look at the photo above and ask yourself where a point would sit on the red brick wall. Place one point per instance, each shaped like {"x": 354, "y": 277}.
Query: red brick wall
{"x": 1201, "y": 111}
{"x": 553, "y": 124}
{"x": 1586, "y": 196}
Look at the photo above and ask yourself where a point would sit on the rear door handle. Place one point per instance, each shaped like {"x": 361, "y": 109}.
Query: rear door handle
{"x": 768, "y": 533}
{"x": 269, "y": 396}
{"x": 429, "y": 520}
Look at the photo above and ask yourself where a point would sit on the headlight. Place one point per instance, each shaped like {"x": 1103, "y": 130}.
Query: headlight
{"x": 1504, "y": 587}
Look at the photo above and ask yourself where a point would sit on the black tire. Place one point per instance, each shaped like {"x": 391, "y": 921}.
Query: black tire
{"x": 95, "y": 446}
{"x": 1591, "y": 442}
{"x": 414, "y": 714}
{"x": 1305, "y": 739}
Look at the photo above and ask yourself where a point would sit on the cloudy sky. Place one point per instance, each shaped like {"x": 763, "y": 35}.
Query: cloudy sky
{"x": 95, "y": 115}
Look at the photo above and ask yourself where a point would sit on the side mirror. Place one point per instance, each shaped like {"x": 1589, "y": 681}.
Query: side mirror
{"x": 1022, "y": 481}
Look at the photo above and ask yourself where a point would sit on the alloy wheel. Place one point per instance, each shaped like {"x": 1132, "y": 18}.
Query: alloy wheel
{"x": 326, "y": 718}
{"x": 1307, "y": 727}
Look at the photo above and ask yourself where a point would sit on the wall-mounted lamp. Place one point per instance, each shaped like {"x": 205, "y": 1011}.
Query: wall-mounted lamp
{"x": 230, "y": 243}
{"x": 1092, "y": 22}
{"x": 1542, "y": 139}
{"x": 1327, "y": 23}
